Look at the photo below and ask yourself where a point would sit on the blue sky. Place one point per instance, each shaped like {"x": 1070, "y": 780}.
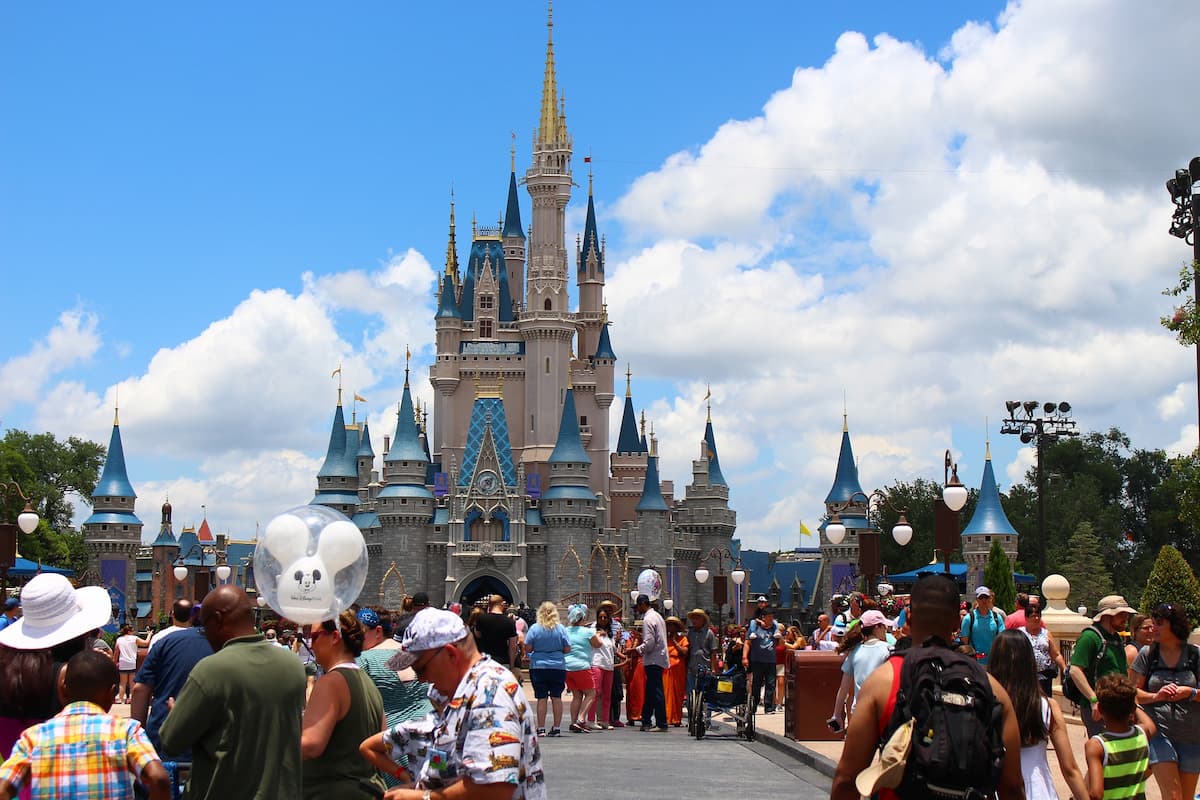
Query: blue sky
{"x": 927, "y": 211}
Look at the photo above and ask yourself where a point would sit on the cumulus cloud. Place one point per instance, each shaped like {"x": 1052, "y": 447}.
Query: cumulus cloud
{"x": 998, "y": 210}
{"x": 74, "y": 339}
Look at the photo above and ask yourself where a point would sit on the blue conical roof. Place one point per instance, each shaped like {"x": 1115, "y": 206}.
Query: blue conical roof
{"x": 989, "y": 517}
{"x": 407, "y": 444}
{"x": 591, "y": 240}
{"x": 628, "y": 440}
{"x": 568, "y": 448}
{"x": 715, "y": 477}
{"x": 114, "y": 482}
{"x": 165, "y": 538}
{"x": 652, "y": 498}
{"x": 337, "y": 465}
{"x": 365, "y": 450}
{"x": 447, "y": 305}
{"x": 845, "y": 482}
{"x": 512, "y": 215}
{"x": 604, "y": 346}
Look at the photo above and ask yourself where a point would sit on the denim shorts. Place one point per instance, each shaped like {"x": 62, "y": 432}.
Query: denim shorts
{"x": 1186, "y": 755}
{"x": 548, "y": 682}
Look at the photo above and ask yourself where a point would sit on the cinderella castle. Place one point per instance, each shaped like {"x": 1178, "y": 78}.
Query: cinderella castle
{"x": 515, "y": 489}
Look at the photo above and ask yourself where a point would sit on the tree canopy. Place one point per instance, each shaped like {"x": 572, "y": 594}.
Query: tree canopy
{"x": 49, "y": 472}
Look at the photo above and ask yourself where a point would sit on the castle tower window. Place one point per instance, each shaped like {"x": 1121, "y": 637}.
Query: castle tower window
{"x": 487, "y": 302}
{"x": 547, "y": 304}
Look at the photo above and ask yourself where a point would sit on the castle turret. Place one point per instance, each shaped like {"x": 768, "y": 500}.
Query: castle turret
{"x": 113, "y": 532}
{"x": 337, "y": 482}
{"x": 514, "y": 238}
{"x": 989, "y": 523}
{"x": 839, "y": 562}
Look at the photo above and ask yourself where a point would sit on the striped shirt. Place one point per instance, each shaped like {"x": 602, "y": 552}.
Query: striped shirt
{"x": 1126, "y": 759}
{"x": 82, "y": 753}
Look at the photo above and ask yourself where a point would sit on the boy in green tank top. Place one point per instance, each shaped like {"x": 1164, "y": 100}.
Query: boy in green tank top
{"x": 1118, "y": 758}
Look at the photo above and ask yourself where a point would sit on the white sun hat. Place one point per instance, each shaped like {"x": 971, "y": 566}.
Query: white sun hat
{"x": 56, "y": 612}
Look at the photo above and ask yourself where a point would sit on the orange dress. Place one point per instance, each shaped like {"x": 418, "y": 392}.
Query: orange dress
{"x": 635, "y": 685}
{"x": 675, "y": 678}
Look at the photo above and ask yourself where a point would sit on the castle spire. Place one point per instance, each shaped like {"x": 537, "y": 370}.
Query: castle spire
{"x": 652, "y": 497}
{"x": 451, "y": 243}
{"x": 551, "y": 126}
{"x": 569, "y": 448}
{"x": 715, "y": 477}
{"x": 845, "y": 481}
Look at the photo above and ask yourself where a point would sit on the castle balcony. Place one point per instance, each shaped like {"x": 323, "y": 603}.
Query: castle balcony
{"x": 485, "y": 549}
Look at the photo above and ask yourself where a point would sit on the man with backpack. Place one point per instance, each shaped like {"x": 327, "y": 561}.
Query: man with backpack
{"x": 982, "y": 624}
{"x": 946, "y": 727}
{"x": 1099, "y": 651}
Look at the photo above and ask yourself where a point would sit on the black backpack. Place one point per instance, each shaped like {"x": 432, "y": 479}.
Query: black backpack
{"x": 957, "y": 741}
{"x": 1192, "y": 663}
{"x": 1069, "y": 689}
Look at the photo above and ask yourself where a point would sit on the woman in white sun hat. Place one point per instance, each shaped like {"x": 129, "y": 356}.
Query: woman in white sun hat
{"x": 33, "y": 649}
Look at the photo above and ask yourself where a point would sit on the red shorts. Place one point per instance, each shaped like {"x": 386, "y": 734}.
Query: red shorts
{"x": 580, "y": 680}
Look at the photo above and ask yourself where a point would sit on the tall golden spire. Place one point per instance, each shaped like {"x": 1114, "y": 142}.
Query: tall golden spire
{"x": 987, "y": 440}
{"x": 845, "y": 415}
{"x": 708, "y": 401}
{"x": 549, "y": 126}
{"x": 628, "y": 381}
{"x": 117, "y": 406}
{"x": 451, "y": 244}
{"x": 407, "y": 358}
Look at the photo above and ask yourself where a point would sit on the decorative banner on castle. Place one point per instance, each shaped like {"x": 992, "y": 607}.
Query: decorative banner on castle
{"x": 114, "y": 572}
{"x": 533, "y": 485}
{"x": 441, "y": 484}
{"x": 845, "y": 578}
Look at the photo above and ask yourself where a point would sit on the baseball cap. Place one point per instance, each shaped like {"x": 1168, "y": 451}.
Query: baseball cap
{"x": 888, "y": 770}
{"x": 429, "y": 630}
{"x": 762, "y": 598}
{"x": 983, "y": 591}
{"x": 874, "y": 617}
{"x": 368, "y": 618}
{"x": 11, "y": 603}
{"x": 839, "y": 628}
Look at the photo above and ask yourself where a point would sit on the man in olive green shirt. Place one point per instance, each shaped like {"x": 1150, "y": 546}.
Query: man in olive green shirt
{"x": 1099, "y": 651}
{"x": 240, "y": 709}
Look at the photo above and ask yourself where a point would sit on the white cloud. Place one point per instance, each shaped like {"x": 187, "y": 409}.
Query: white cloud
{"x": 1026, "y": 460}
{"x": 74, "y": 339}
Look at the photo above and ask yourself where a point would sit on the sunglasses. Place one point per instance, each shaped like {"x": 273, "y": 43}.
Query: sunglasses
{"x": 317, "y": 633}
{"x": 420, "y": 666}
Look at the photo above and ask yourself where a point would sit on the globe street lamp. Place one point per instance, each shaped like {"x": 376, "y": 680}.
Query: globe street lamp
{"x": 946, "y": 536}
{"x": 1038, "y": 423}
{"x": 720, "y": 588}
{"x": 202, "y": 552}
{"x": 868, "y": 539}
{"x": 27, "y": 521}
{"x": 1184, "y": 189}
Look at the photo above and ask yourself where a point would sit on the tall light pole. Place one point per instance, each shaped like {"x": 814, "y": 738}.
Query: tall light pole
{"x": 720, "y": 588}
{"x": 868, "y": 539}
{"x": 1185, "y": 224}
{"x": 1038, "y": 423}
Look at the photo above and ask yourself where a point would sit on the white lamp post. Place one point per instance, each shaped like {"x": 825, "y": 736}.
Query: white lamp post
{"x": 702, "y": 574}
{"x": 954, "y": 495}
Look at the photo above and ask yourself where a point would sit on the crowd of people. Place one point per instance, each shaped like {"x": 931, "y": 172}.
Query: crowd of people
{"x": 1134, "y": 677}
{"x": 431, "y": 703}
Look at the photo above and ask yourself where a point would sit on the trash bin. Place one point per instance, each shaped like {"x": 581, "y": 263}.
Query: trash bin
{"x": 812, "y": 681}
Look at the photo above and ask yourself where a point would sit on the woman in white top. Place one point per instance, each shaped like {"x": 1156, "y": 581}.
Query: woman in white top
{"x": 1039, "y": 719}
{"x": 125, "y": 655}
{"x": 605, "y": 659}
{"x": 1046, "y": 655}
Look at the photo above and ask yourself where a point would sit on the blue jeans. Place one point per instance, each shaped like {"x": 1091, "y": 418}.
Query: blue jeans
{"x": 655, "y": 707}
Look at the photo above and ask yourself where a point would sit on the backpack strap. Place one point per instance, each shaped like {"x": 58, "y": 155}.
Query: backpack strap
{"x": 889, "y": 708}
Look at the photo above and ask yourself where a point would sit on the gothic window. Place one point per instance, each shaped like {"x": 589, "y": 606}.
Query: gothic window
{"x": 547, "y": 304}
{"x": 547, "y": 366}
{"x": 531, "y": 422}
{"x": 487, "y": 302}
{"x": 485, "y": 328}
{"x": 583, "y": 421}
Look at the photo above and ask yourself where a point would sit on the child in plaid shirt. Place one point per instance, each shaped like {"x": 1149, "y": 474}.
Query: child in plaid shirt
{"x": 83, "y": 753}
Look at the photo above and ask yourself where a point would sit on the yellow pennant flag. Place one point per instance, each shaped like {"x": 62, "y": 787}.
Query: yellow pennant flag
{"x": 804, "y": 531}
{"x": 360, "y": 398}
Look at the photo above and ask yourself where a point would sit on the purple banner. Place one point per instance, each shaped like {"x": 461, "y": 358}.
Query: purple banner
{"x": 845, "y": 578}
{"x": 441, "y": 484}
{"x": 114, "y": 573}
{"x": 533, "y": 485}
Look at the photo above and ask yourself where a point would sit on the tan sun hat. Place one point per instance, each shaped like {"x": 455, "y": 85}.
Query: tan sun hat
{"x": 888, "y": 769}
{"x": 1110, "y": 605}
{"x": 698, "y": 612}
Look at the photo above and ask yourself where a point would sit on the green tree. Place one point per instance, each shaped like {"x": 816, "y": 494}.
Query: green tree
{"x": 1084, "y": 568}
{"x": 48, "y": 470}
{"x": 1172, "y": 581}
{"x": 998, "y": 576}
{"x": 1185, "y": 322}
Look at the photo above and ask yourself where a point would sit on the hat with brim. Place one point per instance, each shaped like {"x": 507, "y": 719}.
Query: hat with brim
{"x": 888, "y": 769}
{"x": 429, "y": 630}
{"x": 607, "y": 605}
{"x": 673, "y": 620}
{"x": 56, "y": 612}
{"x": 1107, "y": 607}
{"x": 699, "y": 613}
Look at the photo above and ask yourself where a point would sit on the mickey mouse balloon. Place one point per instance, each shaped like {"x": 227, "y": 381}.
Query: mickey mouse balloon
{"x": 649, "y": 583}
{"x": 310, "y": 564}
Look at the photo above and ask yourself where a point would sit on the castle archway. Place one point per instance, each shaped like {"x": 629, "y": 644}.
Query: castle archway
{"x": 481, "y": 583}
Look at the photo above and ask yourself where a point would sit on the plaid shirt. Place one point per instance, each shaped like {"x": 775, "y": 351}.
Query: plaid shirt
{"x": 82, "y": 753}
